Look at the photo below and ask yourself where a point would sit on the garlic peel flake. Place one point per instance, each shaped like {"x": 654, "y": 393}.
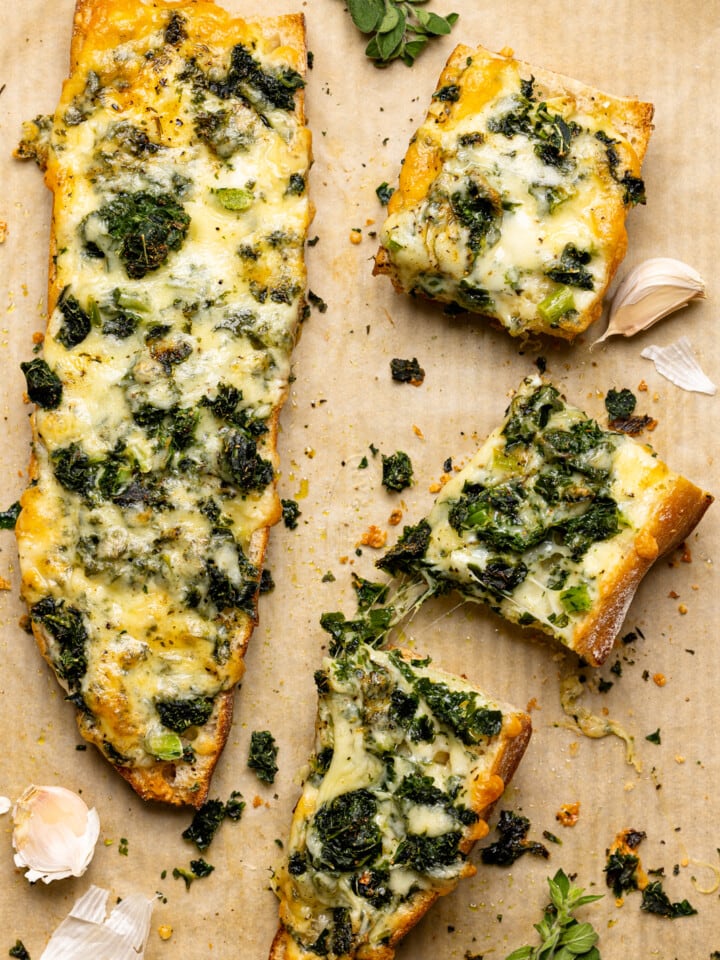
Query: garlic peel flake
{"x": 651, "y": 291}
{"x": 85, "y": 934}
{"x": 55, "y": 833}
{"x": 677, "y": 364}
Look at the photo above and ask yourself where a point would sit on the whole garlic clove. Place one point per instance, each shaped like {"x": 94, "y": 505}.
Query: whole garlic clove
{"x": 55, "y": 833}
{"x": 651, "y": 291}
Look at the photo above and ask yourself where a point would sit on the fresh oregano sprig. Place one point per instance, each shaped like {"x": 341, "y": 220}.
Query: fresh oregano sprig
{"x": 563, "y": 937}
{"x": 401, "y": 29}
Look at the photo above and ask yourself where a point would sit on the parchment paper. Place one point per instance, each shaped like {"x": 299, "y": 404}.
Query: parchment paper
{"x": 342, "y": 401}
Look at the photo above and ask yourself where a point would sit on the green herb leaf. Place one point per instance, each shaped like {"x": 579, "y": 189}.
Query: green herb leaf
{"x": 366, "y": 14}
{"x": 401, "y": 29}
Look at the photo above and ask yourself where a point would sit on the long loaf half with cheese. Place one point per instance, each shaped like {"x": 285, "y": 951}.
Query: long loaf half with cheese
{"x": 408, "y": 763}
{"x": 513, "y": 194}
{"x": 553, "y": 523}
{"x": 178, "y": 160}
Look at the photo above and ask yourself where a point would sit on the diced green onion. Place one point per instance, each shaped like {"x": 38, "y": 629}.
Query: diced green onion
{"x": 164, "y": 746}
{"x": 234, "y": 198}
{"x": 556, "y": 304}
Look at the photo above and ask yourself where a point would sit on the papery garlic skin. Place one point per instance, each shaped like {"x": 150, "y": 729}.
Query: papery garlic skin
{"x": 86, "y": 933}
{"x": 677, "y": 363}
{"x": 651, "y": 291}
{"x": 55, "y": 833}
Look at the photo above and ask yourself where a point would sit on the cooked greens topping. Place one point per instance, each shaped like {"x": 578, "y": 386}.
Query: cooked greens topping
{"x": 178, "y": 715}
{"x": 655, "y": 900}
{"x": 66, "y": 626}
{"x": 44, "y": 387}
{"x": 407, "y": 371}
{"x": 145, "y": 228}
{"x": 8, "y": 518}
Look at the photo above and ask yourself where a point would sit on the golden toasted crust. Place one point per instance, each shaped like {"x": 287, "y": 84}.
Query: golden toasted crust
{"x": 424, "y": 159}
{"x": 675, "y": 515}
{"x": 516, "y": 733}
{"x": 105, "y": 24}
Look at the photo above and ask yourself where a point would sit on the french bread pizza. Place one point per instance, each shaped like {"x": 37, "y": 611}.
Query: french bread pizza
{"x": 553, "y": 523}
{"x": 408, "y": 763}
{"x": 178, "y": 159}
{"x": 513, "y": 195}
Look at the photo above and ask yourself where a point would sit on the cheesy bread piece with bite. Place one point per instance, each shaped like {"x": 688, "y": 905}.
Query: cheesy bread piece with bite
{"x": 408, "y": 762}
{"x": 553, "y": 523}
{"x": 178, "y": 159}
{"x": 513, "y": 195}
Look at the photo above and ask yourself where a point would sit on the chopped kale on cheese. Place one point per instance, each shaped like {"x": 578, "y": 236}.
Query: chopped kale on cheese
{"x": 405, "y": 766}
{"x": 176, "y": 158}
{"x": 540, "y": 520}
{"x": 513, "y": 195}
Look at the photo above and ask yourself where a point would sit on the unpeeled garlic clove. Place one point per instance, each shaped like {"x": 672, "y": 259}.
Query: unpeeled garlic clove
{"x": 55, "y": 833}
{"x": 651, "y": 291}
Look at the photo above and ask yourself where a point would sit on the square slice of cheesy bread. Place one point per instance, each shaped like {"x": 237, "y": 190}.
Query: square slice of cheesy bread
{"x": 553, "y": 523}
{"x": 513, "y": 195}
{"x": 408, "y": 763}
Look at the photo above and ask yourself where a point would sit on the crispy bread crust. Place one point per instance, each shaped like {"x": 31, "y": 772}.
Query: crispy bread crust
{"x": 423, "y": 161}
{"x": 163, "y": 781}
{"x": 506, "y": 763}
{"x": 675, "y": 516}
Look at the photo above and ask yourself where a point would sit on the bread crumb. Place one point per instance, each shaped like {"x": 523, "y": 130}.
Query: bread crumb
{"x": 418, "y": 432}
{"x": 38, "y": 338}
{"x": 395, "y": 518}
{"x": 5, "y": 584}
{"x": 355, "y": 235}
{"x": 642, "y": 387}
{"x": 673, "y": 595}
{"x": 650, "y": 426}
{"x": 679, "y": 759}
{"x": 682, "y": 608}
{"x": 3, "y": 231}
{"x": 165, "y": 931}
{"x": 373, "y": 537}
{"x": 257, "y": 801}
{"x": 568, "y": 814}
{"x": 370, "y": 221}
{"x": 435, "y": 487}
{"x": 659, "y": 679}
{"x": 686, "y": 555}
{"x": 532, "y": 704}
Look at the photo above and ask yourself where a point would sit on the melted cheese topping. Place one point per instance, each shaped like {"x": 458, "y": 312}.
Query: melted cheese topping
{"x": 501, "y": 186}
{"x": 393, "y": 803}
{"x": 178, "y": 160}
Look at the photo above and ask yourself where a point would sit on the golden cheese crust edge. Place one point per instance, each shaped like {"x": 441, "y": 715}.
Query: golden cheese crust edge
{"x": 503, "y": 769}
{"x": 674, "y": 517}
{"x": 163, "y": 781}
{"x": 631, "y": 117}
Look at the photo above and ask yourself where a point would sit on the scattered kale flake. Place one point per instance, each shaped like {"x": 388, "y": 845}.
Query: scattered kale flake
{"x": 654, "y": 737}
{"x": 8, "y": 518}
{"x": 315, "y": 301}
{"x": 43, "y": 385}
{"x": 290, "y": 513}
{"x": 201, "y": 868}
{"x": 384, "y": 191}
{"x": 620, "y": 404}
{"x": 407, "y": 371}
{"x": 655, "y": 900}
{"x": 262, "y": 756}
{"x": 513, "y": 842}
{"x": 205, "y": 824}
{"x": 19, "y": 951}
{"x": 397, "y": 471}
{"x": 76, "y": 324}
